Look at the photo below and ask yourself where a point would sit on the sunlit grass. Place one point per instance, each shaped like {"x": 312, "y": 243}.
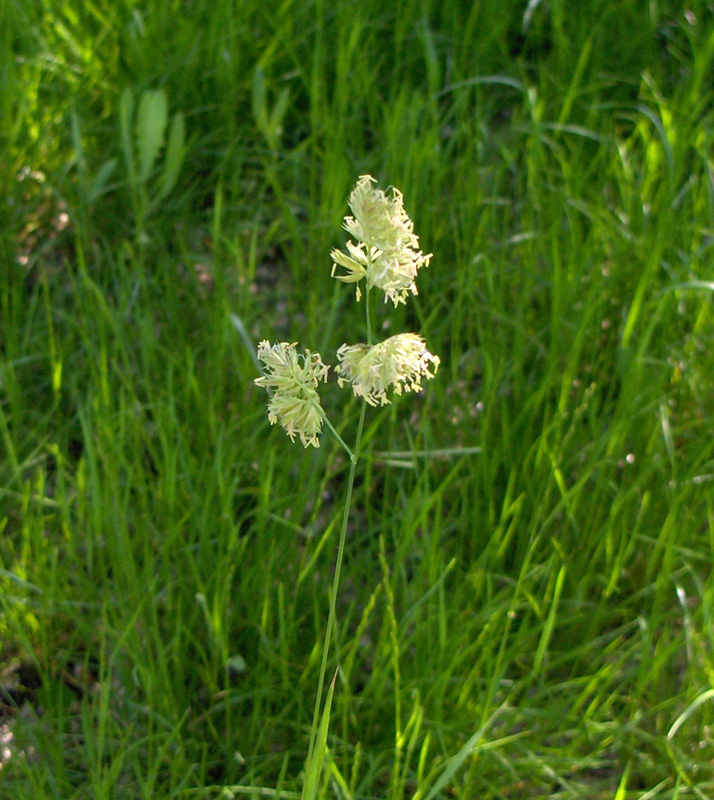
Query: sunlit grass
{"x": 526, "y": 605}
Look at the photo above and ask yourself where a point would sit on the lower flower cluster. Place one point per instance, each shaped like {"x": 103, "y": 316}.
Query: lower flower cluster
{"x": 293, "y": 380}
{"x": 399, "y": 362}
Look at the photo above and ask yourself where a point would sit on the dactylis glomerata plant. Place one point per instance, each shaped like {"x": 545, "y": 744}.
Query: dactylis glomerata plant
{"x": 385, "y": 255}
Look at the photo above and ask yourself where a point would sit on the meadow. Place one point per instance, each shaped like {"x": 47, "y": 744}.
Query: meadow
{"x": 526, "y": 607}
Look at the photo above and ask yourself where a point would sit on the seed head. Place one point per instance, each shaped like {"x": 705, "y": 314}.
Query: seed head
{"x": 386, "y": 251}
{"x": 293, "y": 379}
{"x": 400, "y": 362}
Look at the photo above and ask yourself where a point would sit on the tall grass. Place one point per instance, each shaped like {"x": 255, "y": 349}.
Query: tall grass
{"x": 527, "y": 596}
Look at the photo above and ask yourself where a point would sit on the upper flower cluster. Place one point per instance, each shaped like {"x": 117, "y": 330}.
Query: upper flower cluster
{"x": 386, "y": 250}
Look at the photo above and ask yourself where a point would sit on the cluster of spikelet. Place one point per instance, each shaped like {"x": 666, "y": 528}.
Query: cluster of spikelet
{"x": 385, "y": 254}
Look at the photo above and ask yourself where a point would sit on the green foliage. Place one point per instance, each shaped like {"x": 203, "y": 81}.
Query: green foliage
{"x": 527, "y": 597}
{"x": 141, "y": 151}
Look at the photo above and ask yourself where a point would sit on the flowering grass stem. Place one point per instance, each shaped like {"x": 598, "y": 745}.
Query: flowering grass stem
{"x": 335, "y": 580}
{"x": 354, "y": 457}
{"x": 369, "y": 321}
{"x": 386, "y": 255}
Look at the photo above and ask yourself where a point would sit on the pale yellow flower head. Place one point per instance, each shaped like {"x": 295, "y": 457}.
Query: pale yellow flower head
{"x": 293, "y": 380}
{"x": 399, "y": 362}
{"x": 386, "y": 250}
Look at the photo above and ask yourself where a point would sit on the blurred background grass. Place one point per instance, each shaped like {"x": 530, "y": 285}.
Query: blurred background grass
{"x": 527, "y": 592}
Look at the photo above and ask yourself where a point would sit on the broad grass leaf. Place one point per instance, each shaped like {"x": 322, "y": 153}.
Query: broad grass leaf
{"x": 151, "y": 121}
{"x": 175, "y": 151}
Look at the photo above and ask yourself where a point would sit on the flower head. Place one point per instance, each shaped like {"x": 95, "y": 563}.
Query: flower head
{"x": 400, "y": 362}
{"x": 386, "y": 252}
{"x": 293, "y": 381}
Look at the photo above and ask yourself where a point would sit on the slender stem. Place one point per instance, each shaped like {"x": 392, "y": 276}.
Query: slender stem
{"x": 366, "y": 298}
{"x": 335, "y": 584}
{"x": 352, "y": 456}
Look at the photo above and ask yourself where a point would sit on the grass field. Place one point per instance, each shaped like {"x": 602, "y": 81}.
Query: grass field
{"x": 526, "y": 607}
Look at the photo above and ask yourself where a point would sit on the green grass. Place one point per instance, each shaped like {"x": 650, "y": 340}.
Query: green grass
{"x": 527, "y": 606}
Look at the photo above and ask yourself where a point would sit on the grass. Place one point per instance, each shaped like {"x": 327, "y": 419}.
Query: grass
{"x": 526, "y": 602}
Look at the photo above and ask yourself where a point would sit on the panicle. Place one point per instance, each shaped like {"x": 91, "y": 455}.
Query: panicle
{"x": 399, "y": 362}
{"x": 293, "y": 379}
{"x": 386, "y": 250}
